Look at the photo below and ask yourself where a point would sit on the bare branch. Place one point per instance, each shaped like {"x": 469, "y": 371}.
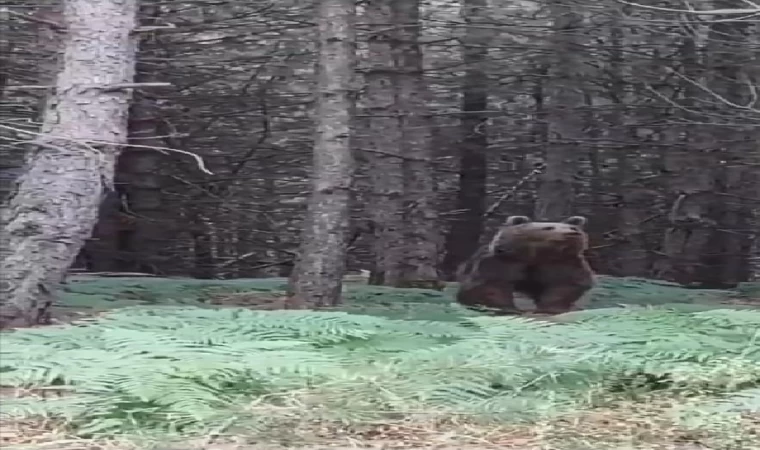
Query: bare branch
{"x": 749, "y": 106}
{"x": 168, "y": 26}
{"x": 40, "y": 136}
{"x": 752, "y": 11}
{"x": 105, "y": 88}
{"x": 41, "y": 17}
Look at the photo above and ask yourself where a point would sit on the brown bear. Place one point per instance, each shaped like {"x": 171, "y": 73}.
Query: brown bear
{"x": 542, "y": 260}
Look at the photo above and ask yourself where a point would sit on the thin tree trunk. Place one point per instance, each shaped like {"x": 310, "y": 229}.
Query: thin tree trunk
{"x": 316, "y": 279}
{"x": 467, "y": 226}
{"x": 631, "y": 257}
{"x": 205, "y": 246}
{"x": 731, "y": 60}
{"x": 56, "y": 205}
{"x": 754, "y": 251}
{"x": 556, "y": 192}
{"x": 689, "y": 164}
{"x": 264, "y": 238}
{"x": 421, "y": 233}
{"x": 384, "y": 155}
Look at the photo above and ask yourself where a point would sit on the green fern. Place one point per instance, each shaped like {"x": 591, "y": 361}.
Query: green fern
{"x": 190, "y": 369}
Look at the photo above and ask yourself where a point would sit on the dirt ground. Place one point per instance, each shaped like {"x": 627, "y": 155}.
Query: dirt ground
{"x": 643, "y": 425}
{"x": 643, "y": 428}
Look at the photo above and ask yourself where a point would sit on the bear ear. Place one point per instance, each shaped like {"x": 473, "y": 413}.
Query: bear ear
{"x": 578, "y": 221}
{"x": 517, "y": 220}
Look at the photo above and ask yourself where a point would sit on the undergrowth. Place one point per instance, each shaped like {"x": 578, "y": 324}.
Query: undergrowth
{"x": 195, "y": 370}
{"x": 104, "y": 293}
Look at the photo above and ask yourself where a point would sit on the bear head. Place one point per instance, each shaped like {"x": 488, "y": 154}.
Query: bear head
{"x": 522, "y": 239}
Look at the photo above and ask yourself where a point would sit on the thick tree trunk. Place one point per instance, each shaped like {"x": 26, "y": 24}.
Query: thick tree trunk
{"x": 142, "y": 247}
{"x": 468, "y": 224}
{"x": 56, "y": 205}
{"x": 316, "y": 279}
{"x": 133, "y": 236}
{"x": 421, "y": 231}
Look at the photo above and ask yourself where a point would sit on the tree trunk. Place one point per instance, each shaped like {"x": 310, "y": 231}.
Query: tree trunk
{"x": 142, "y": 246}
{"x": 467, "y": 225}
{"x": 205, "y": 247}
{"x": 754, "y": 251}
{"x": 688, "y": 162}
{"x": 316, "y": 279}
{"x": 731, "y": 59}
{"x": 42, "y": 54}
{"x": 264, "y": 239}
{"x": 56, "y": 205}
{"x": 421, "y": 232}
{"x": 556, "y": 191}
{"x": 629, "y": 255}
{"x": 384, "y": 152}
{"x": 134, "y": 236}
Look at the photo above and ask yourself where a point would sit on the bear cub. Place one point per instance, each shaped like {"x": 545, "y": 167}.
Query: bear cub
{"x": 542, "y": 260}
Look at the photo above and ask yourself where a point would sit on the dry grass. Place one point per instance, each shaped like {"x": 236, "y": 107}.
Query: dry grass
{"x": 639, "y": 426}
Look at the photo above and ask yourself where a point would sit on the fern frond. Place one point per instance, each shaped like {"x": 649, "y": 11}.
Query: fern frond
{"x": 184, "y": 368}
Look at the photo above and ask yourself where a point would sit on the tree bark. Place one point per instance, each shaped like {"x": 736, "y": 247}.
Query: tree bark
{"x": 688, "y": 161}
{"x": 556, "y": 192}
{"x": 731, "y": 60}
{"x": 135, "y": 238}
{"x": 143, "y": 246}
{"x": 316, "y": 279}
{"x": 386, "y": 163}
{"x": 421, "y": 231}
{"x": 754, "y": 251}
{"x": 42, "y": 53}
{"x": 467, "y": 226}
{"x": 630, "y": 254}
{"x": 56, "y": 205}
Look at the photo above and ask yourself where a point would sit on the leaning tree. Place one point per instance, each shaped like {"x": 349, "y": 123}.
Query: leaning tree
{"x": 71, "y": 159}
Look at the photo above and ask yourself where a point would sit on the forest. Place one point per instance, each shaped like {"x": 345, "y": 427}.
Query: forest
{"x": 249, "y": 225}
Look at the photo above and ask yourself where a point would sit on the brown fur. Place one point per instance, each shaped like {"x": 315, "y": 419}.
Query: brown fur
{"x": 542, "y": 260}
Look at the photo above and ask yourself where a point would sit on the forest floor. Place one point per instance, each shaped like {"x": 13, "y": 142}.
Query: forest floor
{"x": 647, "y": 424}
{"x": 87, "y": 295}
{"x": 624, "y": 427}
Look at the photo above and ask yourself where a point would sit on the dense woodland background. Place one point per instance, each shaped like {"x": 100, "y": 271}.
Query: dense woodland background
{"x": 216, "y": 143}
{"x": 646, "y": 120}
